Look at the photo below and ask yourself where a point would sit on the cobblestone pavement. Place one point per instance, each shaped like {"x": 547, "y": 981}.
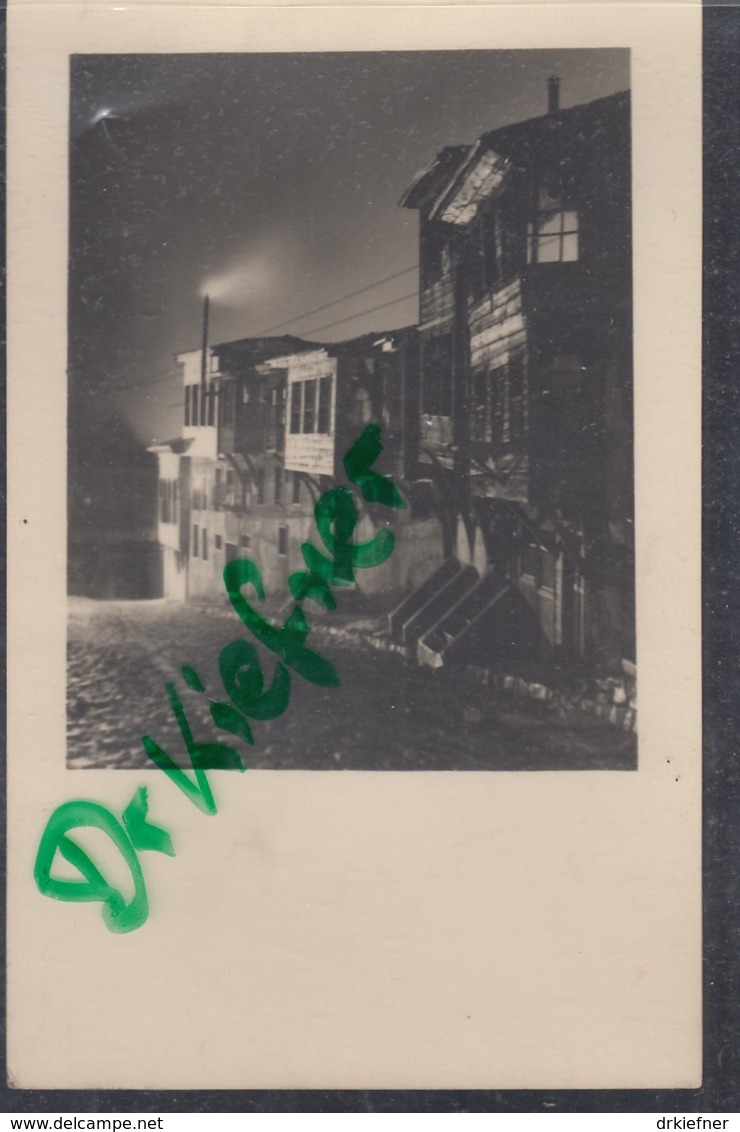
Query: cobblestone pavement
{"x": 388, "y": 714}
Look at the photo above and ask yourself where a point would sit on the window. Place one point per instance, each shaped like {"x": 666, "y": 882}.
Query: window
{"x": 164, "y": 507}
{"x": 211, "y": 403}
{"x": 199, "y": 498}
{"x": 547, "y": 571}
{"x": 282, "y": 541}
{"x": 227, "y": 404}
{"x": 510, "y": 242}
{"x": 259, "y": 479}
{"x": 499, "y": 407}
{"x": 204, "y": 544}
{"x": 481, "y": 423}
{"x": 278, "y": 485}
{"x": 482, "y": 252}
{"x": 218, "y": 542}
{"x": 175, "y": 502}
{"x": 553, "y": 236}
{"x": 187, "y": 404}
{"x": 295, "y": 488}
{"x": 437, "y": 376}
{"x": 309, "y": 405}
{"x": 245, "y": 542}
{"x": 195, "y": 540}
{"x": 325, "y": 405}
{"x": 296, "y": 406}
{"x": 530, "y": 561}
{"x": 194, "y": 391}
{"x": 517, "y": 400}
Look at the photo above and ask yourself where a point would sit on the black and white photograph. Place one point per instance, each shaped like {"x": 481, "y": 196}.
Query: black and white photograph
{"x": 279, "y": 259}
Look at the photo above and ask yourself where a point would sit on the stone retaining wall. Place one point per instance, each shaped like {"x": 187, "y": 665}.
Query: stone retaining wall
{"x": 612, "y": 699}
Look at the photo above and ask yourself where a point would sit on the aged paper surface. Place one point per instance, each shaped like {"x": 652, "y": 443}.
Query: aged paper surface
{"x": 370, "y": 930}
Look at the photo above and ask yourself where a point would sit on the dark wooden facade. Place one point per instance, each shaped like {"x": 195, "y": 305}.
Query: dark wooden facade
{"x": 526, "y": 361}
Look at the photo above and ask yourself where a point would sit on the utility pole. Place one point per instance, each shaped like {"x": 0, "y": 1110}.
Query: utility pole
{"x": 204, "y": 364}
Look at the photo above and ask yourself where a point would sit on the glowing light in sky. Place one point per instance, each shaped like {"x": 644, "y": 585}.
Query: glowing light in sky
{"x": 253, "y": 274}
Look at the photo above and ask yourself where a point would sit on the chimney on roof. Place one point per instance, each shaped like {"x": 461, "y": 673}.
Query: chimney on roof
{"x": 553, "y": 94}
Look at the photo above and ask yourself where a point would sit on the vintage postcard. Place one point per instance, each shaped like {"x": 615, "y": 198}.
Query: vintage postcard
{"x": 354, "y": 372}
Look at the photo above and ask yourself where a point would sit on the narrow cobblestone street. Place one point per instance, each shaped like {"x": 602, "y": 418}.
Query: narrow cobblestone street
{"x": 388, "y": 713}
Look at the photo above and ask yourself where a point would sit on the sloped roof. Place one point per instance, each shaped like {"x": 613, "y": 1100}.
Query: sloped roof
{"x": 429, "y": 180}
{"x": 259, "y": 349}
{"x": 459, "y": 176}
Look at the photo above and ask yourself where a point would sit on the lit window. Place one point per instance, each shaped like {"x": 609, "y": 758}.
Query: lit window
{"x": 553, "y": 236}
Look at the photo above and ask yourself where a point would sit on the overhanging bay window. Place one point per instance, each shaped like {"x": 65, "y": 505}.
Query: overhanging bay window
{"x": 552, "y": 237}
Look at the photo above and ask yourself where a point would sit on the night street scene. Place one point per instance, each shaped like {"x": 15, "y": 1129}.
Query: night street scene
{"x": 350, "y": 426}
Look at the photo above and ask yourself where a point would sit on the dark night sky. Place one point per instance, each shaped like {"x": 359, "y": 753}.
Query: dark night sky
{"x": 274, "y": 179}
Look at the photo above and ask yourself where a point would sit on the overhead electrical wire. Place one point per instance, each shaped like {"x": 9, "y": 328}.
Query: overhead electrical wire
{"x": 334, "y": 302}
{"x": 168, "y": 376}
{"x": 371, "y": 310}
